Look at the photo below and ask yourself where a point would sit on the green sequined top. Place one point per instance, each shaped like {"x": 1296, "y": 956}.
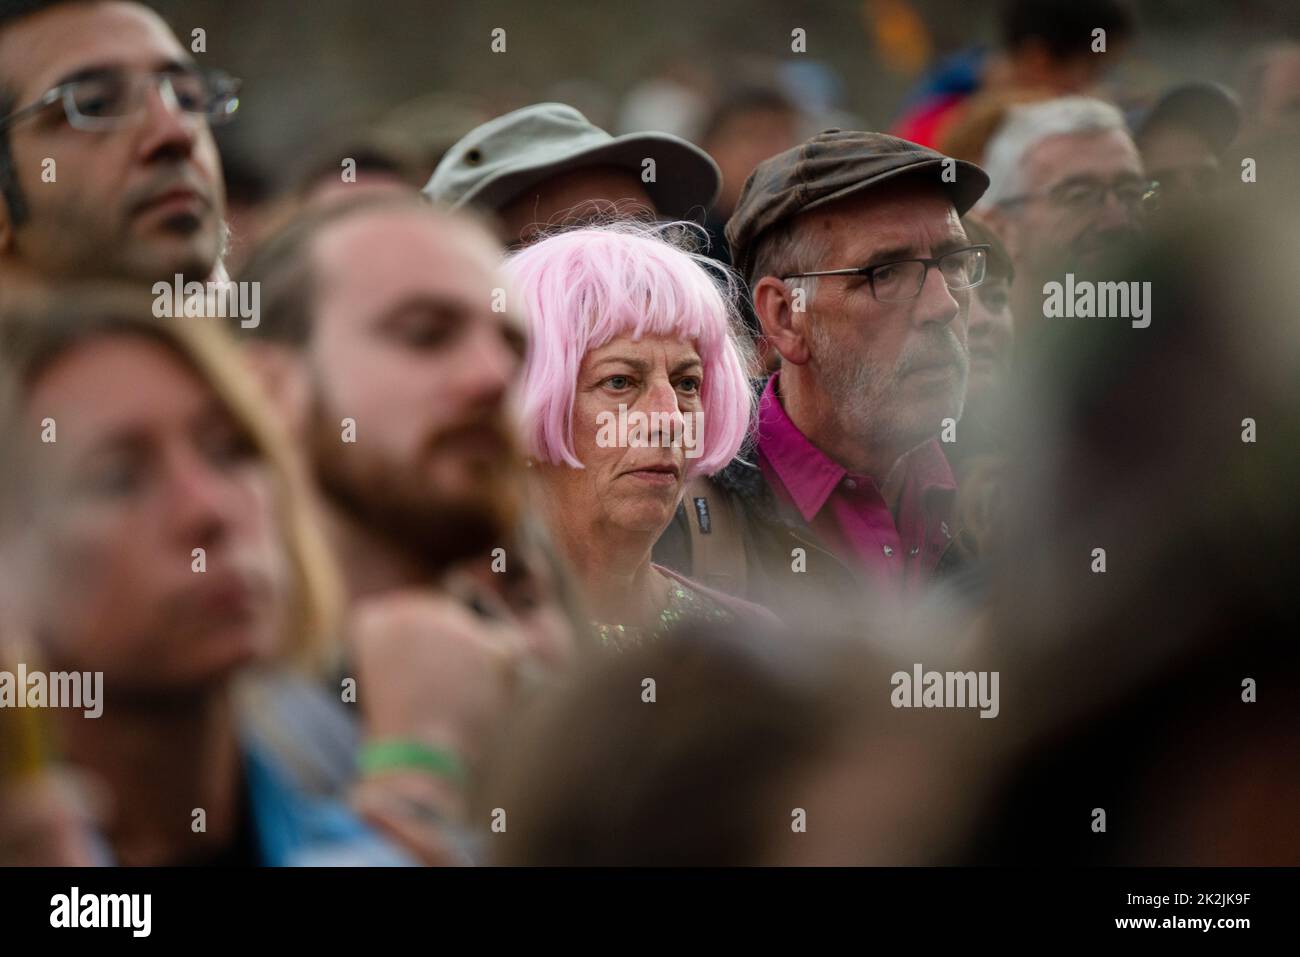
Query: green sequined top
{"x": 684, "y": 604}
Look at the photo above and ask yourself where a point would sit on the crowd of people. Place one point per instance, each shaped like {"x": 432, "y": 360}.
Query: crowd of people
{"x": 596, "y": 498}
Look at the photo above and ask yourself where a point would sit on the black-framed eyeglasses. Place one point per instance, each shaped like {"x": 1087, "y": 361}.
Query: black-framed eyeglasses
{"x": 904, "y": 279}
{"x": 114, "y": 99}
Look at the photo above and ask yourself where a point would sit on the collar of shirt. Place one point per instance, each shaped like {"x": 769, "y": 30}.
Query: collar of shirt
{"x": 809, "y": 476}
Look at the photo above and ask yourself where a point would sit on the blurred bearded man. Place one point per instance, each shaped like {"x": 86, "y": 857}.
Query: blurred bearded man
{"x": 387, "y": 342}
{"x": 379, "y": 340}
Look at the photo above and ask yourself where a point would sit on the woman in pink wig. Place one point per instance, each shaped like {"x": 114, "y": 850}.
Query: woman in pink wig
{"x": 635, "y": 383}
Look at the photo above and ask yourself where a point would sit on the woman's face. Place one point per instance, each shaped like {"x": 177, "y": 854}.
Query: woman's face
{"x": 147, "y": 466}
{"x": 635, "y": 460}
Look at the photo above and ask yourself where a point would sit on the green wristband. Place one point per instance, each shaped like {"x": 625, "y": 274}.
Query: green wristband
{"x": 401, "y": 755}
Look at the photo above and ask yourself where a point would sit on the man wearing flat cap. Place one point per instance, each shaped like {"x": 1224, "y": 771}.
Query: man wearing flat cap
{"x": 548, "y": 165}
{"x": 860, "y": 274}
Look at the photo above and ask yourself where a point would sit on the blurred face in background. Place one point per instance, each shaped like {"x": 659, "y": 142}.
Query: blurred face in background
{"x": 144, "y": 201}
{"x": 1082, "y": 193}
{"x": 1183, "y": 163}
{"x": 406, "y": 344}
{"x": 744, "y": 140}
{"x": 633, "y": 487}
{"x": 148, "y": 465}
{"x": 1277, "y": 105}
{"x": 1035, "y": 66}
{"x": 991, "y": 338}
{"x": 574, "y": 195}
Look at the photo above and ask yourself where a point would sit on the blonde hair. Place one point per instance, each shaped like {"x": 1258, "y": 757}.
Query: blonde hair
{"x": 36, "y": 331}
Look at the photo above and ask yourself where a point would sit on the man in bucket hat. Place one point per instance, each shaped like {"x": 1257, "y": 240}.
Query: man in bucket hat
{"x": 547, "y": 164}
{"x": 860, "y": 274}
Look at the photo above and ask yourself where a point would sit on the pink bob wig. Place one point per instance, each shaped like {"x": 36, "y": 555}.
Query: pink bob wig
{"x": 585, "y": 287}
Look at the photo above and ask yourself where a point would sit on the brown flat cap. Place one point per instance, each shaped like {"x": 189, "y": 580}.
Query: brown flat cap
{"x": 831, "y": 166}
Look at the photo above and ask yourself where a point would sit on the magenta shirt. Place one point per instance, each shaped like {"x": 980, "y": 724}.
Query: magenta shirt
{"x": 848, "y": 512}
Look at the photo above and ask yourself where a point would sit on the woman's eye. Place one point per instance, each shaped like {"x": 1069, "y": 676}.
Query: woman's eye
{"x": 689, "y": 384}
{"x": 618, "y": 382}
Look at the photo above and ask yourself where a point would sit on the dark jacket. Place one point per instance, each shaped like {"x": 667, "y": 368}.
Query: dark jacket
{"x": 732, "y": 533}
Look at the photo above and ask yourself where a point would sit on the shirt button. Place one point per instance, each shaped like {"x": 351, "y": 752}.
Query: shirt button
{"x": 850, "y": 484}
{"x": 888, "y": 551}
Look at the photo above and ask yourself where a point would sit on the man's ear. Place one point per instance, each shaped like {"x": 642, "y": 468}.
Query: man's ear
{"x": 281, "y": 370}
{"x": 783, "y": 312}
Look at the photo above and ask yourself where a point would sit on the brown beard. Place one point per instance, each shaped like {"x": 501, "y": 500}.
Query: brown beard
{"x": 394, "y": 500}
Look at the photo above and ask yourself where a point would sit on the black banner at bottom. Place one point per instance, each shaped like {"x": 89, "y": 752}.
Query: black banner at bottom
{"x": 332, "y": 907}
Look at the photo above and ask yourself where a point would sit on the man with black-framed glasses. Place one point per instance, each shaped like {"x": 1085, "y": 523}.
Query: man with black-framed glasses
{"x": 108, "y": 168}
{"x": 860, "y": 273}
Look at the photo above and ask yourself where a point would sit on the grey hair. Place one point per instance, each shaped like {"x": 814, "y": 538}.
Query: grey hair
{"x": 1028, "y": 125}
{"x": 790, "y": 247}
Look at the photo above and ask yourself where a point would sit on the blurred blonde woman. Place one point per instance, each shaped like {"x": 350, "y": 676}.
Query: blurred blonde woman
{"x": 152, "y": 522}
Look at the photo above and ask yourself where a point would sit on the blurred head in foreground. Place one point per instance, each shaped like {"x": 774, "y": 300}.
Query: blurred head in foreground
{"x": 1144, "y": 602}
{"x": 733, "y": 747}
